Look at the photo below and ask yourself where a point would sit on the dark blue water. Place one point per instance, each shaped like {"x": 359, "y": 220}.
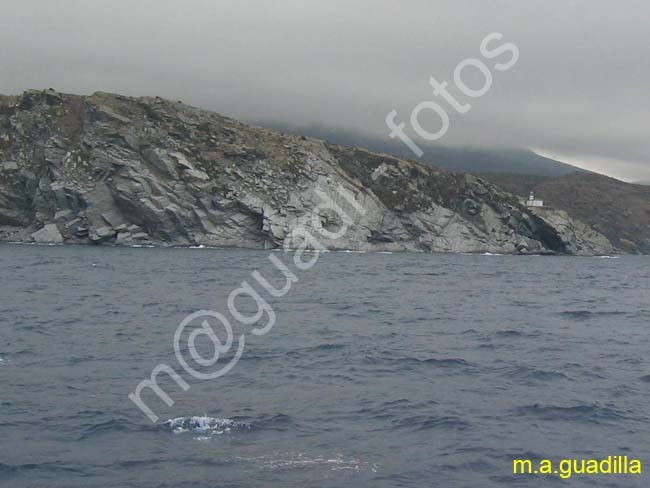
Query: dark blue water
{"x": 382, "y": 370}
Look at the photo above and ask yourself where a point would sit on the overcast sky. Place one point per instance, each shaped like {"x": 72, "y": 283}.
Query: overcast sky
{"x": 580, "y": 90}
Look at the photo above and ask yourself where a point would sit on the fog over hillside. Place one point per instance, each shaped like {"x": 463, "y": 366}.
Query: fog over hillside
{"x": 578, "y": 90}
{"x": 464, "y": 159}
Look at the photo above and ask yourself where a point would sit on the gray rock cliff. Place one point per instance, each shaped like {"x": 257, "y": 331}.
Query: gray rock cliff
{"x": 108, "y": 169}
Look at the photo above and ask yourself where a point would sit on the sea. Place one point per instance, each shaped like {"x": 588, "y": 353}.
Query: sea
{"x": 377, "y": 370}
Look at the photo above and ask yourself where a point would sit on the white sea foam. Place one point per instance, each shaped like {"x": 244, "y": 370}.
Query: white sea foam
{"x": 207, "y": 426}
{"x": 316, "y": 251}
{"x": 20, "y": 243}
{"x": 287, "y": 461}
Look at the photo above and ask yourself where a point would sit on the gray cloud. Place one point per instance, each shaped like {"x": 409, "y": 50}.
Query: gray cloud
{"x": 578, "y": 90}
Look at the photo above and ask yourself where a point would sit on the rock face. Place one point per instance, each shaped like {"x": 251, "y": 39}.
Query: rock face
{"x": 620, "y": 211}
{"x": 577, "y": 237}
{"x": 108, "y": 169}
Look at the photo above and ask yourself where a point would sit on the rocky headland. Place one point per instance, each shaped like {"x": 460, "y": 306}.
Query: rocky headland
{"x": 109, "y": 169}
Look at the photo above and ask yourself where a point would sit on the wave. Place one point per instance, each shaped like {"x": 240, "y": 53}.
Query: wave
{"x": 540, "y": 374}
{"x": 326, "y": 347}
{"x": 508, "y": 333}
{"x": 447, "y": 362}
{"x": 543, "y": 375}
{"x": 288, "y": 461}
{"x": 536, "y": 374}
{"x": 588, "y": 314}
{"x": 50, "y": 467}
{"x": 277, "y": 422}
{"x": 426, "y": 422}
{"x": 325, "y": 352}
{"x": 443, "y": 363}
{"x": 109, "y": 426}
{"x": 394, "y": 410}
{"x": 430, "y": 273}
{"x": 204, "y": 425}
{"x": 579, "y": 413}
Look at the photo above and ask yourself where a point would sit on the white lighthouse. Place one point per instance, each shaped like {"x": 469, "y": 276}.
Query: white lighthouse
{"x": 532, "y": 202}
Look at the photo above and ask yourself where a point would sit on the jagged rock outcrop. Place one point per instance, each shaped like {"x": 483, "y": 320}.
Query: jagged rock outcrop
{"x": 577, "y": 237}
{"x": 108, "y": 169}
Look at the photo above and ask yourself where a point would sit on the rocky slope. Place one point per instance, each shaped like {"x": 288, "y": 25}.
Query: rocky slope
{"x": 618, "y": 210}
{"x": 118, "y": 170}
